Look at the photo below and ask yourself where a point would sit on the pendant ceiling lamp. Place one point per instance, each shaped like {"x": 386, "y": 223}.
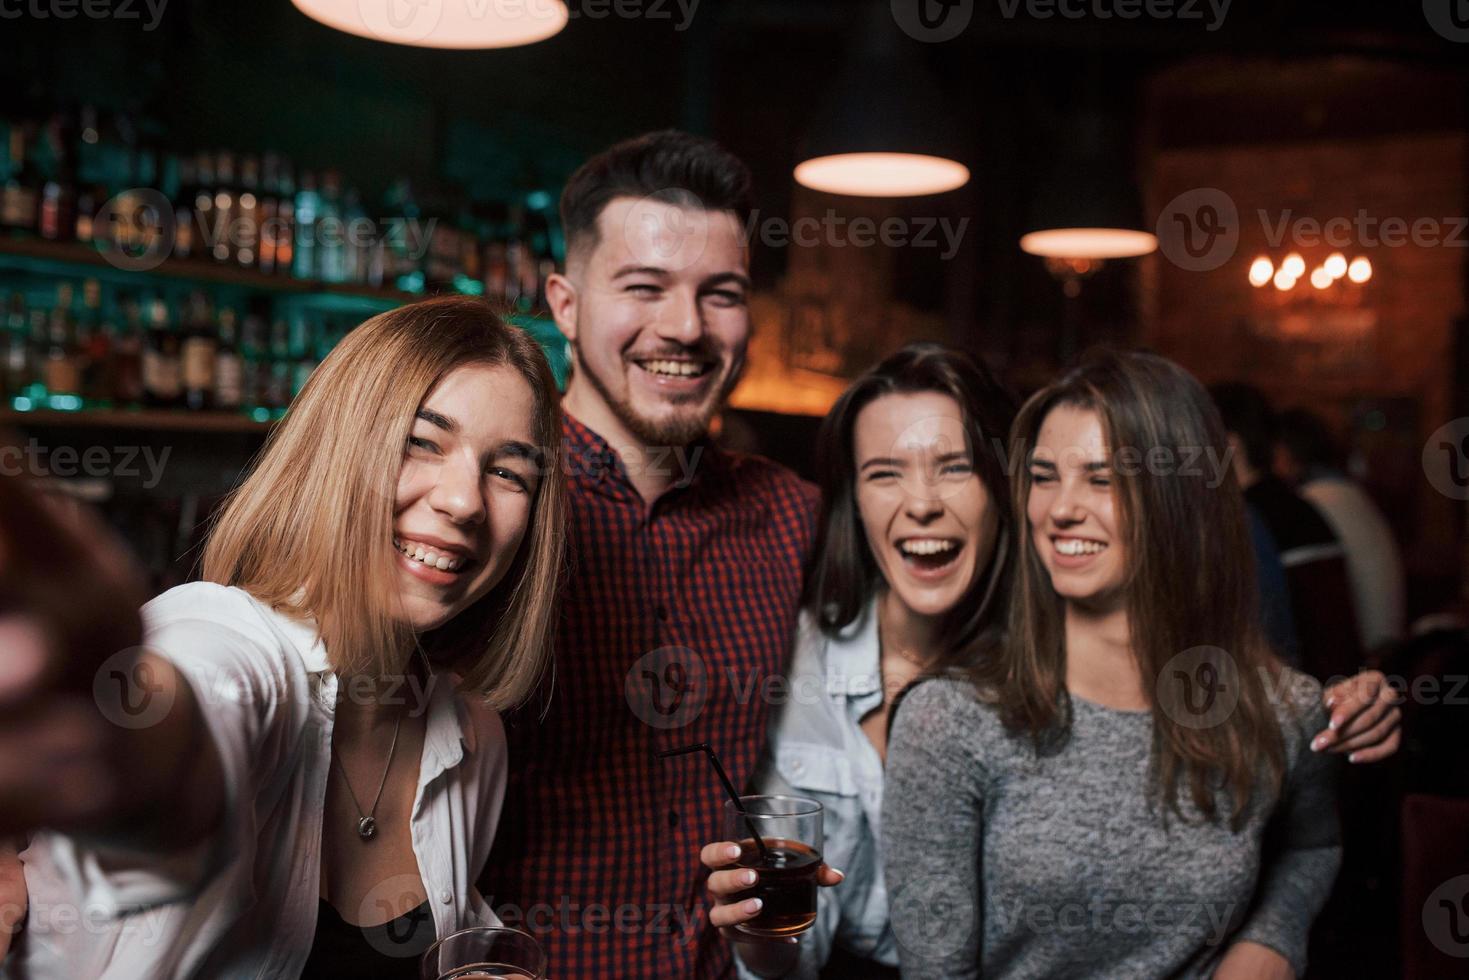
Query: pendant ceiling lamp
{"x": 1087, "y": 206}
{"x": 461, "y": 24}
{"x": 881, "y": 131}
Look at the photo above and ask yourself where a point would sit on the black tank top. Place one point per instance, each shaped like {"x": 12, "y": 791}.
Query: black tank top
{"x": 390, "y": 951}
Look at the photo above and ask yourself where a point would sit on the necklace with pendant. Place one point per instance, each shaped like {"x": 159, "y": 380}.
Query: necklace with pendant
{"x": 367, "y": 822}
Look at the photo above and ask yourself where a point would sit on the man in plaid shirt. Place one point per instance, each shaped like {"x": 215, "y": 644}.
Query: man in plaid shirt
{"x": 684, "y": 583}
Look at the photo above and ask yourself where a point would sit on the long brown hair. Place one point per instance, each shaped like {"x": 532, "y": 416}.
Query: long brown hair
{"x": 1190, "y": 585}
{"x": 844, "y": 575}
{"x": 310, "y": 530}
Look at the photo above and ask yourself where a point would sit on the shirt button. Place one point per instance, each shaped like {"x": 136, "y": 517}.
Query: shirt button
{"x": 445, "y": 896}
{"x": 661, "y": 611}
{"x": 673, "y": 818}
{"x": 798, "y": 766}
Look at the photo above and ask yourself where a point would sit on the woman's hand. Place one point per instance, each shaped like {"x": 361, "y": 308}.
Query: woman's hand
{"x": 1251, "y": 961}
{"x": 69, "y": 602}
{"x": 1366, "y": 722}
{"x": 727, "y": 887}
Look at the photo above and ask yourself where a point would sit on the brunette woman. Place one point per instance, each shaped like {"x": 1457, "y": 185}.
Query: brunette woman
{"x": 314, "y": 761}
{"x": 1127, "y": 786}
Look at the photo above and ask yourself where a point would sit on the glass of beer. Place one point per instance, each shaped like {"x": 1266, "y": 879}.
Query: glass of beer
{"x": 485, "y": 953}
{"x": 790, "y": 829}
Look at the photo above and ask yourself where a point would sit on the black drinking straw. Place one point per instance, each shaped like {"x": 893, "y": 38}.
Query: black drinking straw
{"x": 734, "y": 796}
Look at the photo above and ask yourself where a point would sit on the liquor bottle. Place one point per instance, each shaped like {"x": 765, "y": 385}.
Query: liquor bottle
{"x": 162, "y": 366}
{"x": 226, "y": 208}
{"x": 361, "y": 242}
{"x": 302, "y": 351}
{"x": 247, "y": 206}
{"x": 35, "y": 391}
{"x": 269, "y": 211}
{"x": 229, "y": 369}
{"x": 17, "y": 348}
{"x": 63, "y": 360}
{"x": 285, "y": 212}
{"x": 278, "y": 383}
{"x": 308, "y": 207}
{"x": 56, "y": 219}
{"x": 89, "y": 180}
{"x": 180, "y": 189}
{"x": 332, "y": 235}
{"x": 126, "y": 358}
{"x": 93, "y": 342}
{"x": 206, "y": 221}
{"x": 256, "y": 366}
{"x": 20, "y": 194}
{"x": 402, "y": 237}
{"x": 198, "y": 352}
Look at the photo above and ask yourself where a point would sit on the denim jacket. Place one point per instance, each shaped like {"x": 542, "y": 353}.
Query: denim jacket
{"x": 817, "y": 749}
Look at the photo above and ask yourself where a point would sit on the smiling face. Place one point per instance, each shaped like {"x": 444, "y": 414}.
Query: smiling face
{"x": 658, "y": 318}
{"x": 926, "y": 513}
{"x": 465, "y": 492}
{"x": 1071, "y": 509}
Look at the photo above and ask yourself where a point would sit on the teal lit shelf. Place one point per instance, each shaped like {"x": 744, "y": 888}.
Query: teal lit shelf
{"x": 74, "y": 260}
{"x": 154, "y": 419}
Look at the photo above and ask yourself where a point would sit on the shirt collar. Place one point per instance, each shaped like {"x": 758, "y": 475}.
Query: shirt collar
{"x": 854, "y": 656}
{"x": 449, "y": 731}
{"x": 591, "y": 460}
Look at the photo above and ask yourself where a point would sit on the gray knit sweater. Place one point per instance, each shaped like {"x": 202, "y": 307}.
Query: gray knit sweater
{"x": 1001, "y": 863}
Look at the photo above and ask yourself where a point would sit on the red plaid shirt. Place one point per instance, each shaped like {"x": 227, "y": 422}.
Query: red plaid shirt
{"x": 675, "y": 616}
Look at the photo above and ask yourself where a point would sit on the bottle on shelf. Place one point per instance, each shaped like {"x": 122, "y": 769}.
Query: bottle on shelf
{"x": 285, "y": 219}
{"x": 198, "y": 352}
{"x": 17, "y": 348}
{"x": 247, "y": 206}
{"x": 162, "y": 365}
{"x": 56, "y": 219}
{"x": 229, "y": 369}
{"x": 20, "y": 194}
{"x": 63, "y": 368}
{"x": 35, "y": 391}
{"x": 302, "y": 350}
{"x": 177, "y": 186}
{"x": 331, "y": 232}
{"x": 254, "y": 363}
{"x": 278, "y": 378}
{"x": 206, "y": 221}
{"x": 226, "y": 208}
{"x": 308, "y": 207}
{"x": 93, "y": 342}
{"x": 126, "y": 358}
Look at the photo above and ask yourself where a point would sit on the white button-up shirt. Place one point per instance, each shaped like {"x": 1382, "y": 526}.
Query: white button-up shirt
{"x": 817, "y": 749}
{"x": 243, "y": 904}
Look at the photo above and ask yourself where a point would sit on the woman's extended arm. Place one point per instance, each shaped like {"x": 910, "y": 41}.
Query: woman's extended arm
{"x": 1302, "y": 851}
{"x": 933, "y": 806}
{"x": 84, "y": 749}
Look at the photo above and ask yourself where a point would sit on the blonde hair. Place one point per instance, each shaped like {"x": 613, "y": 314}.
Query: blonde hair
{"x": 309, "y": 531}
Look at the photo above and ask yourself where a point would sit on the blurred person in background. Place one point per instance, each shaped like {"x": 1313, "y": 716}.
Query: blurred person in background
{"x": 1308, "y": 458}
{"x": 1319, "y": 585}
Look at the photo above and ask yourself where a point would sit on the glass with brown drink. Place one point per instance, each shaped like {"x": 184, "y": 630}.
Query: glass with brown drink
{"x": 789, "y": 827}
{"x": 485, "y": 953}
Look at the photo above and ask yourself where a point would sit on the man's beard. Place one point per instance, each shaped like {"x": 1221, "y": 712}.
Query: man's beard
{"x": 679, "y": 429}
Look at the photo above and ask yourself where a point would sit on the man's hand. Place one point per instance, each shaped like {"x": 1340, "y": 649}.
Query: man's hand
{"x": 1366, "y": 721}
{"x": 1251, "y": 961}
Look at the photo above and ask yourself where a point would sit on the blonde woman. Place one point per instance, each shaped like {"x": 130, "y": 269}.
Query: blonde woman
{"x": 313, "y": 763}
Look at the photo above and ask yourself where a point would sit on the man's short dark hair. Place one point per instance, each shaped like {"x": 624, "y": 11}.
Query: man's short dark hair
{"x": 1247, "y": 413}
{"x": 676, "y": 167}
{"x": 1309, "y": 439}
